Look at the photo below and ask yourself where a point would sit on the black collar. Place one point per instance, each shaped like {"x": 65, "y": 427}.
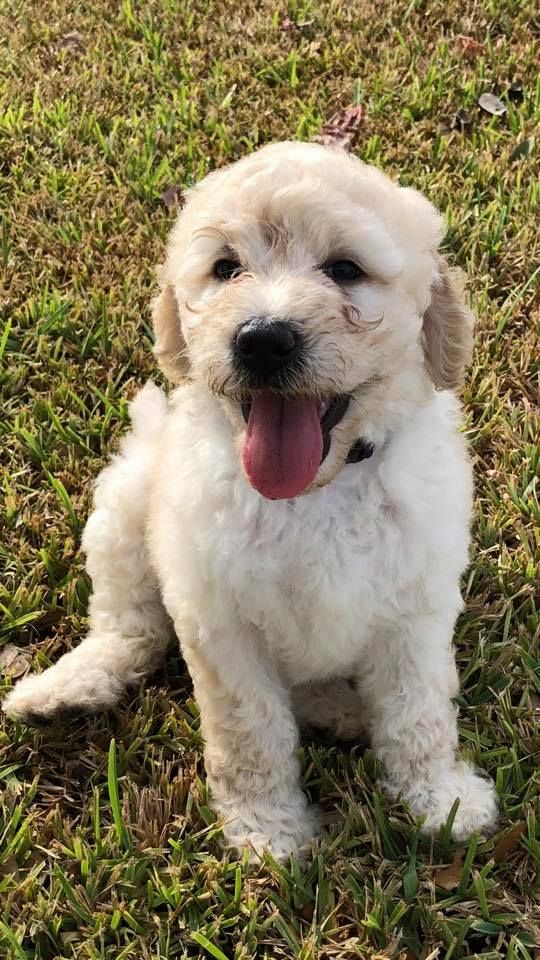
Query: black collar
{"x": 360, "y": 450}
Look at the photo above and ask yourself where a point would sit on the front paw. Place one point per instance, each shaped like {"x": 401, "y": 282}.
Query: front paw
{"x": 59, "y": 693}
{"x": 433, "y": 799}
{"x": 283, "y": 830}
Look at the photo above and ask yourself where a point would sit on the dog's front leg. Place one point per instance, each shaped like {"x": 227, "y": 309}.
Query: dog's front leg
{"x": 129, "y": 629}
{"x": 251, "y": 744}
{"x": 408, "y": 682}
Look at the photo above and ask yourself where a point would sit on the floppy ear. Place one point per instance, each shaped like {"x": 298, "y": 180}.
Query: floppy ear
{"x": 169, "y": 347}
{"x": 447, "y": 329}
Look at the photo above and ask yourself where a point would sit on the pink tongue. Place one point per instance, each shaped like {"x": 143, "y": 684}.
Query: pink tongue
{"x": 283, "y": 445}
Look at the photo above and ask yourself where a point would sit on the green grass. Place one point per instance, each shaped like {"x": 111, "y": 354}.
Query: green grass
{"x": 108, "y": 848}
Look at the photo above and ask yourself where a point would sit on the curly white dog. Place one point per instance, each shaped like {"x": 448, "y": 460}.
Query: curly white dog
{"x": 300, "y": 508}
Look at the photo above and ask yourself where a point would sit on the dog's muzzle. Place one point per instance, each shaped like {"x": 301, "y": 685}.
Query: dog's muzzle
{"x": 288, "y": 431}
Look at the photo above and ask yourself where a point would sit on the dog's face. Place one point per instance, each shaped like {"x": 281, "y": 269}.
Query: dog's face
{"x": 303, "y": 288}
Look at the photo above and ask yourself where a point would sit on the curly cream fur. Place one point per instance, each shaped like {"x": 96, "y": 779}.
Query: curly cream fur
{"x": 275, "y": 603}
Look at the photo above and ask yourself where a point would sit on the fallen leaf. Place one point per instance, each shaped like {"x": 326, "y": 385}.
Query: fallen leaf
{"x": 13, "y": 661}
{"x": 341, "y": 128}
{"x": 71, "y": 41}
{"x": 287, "y": 24}
{"x": 491, "y": 104}
{"x": 173, "y": 197}
{"x": 470, "y": 46}
{"x": 509, "y": 842}
{"x": 448, "y": 877}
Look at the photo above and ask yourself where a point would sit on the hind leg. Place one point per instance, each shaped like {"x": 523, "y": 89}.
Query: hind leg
{"x": 330, "y": 705}
{"x": 129, "y": 629}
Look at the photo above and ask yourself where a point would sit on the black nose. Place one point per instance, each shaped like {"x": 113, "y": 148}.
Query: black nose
{"x": 265, "y": 346}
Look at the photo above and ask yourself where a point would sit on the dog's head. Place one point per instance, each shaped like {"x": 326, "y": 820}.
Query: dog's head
{"x": 304, "y": 289}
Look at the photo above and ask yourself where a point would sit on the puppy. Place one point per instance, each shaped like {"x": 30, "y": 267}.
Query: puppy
{"x": 300, "y": 508}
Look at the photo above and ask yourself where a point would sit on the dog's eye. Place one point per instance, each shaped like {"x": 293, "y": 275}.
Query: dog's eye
{"x": 227, "y": 269}
{"x": 343, "y": 271}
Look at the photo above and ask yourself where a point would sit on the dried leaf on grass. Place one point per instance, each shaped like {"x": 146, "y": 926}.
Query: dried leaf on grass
{"x": 71, "y": 41}
{"x": 341, "y": 128}
{"x": 448, "y": 877}
{"x": 469, "y": 46}
{"x": 509, "y": 842}
{"x": 491, "y": 104}
{"x": 287, "y": 24}
{"x": 13, "y": 661}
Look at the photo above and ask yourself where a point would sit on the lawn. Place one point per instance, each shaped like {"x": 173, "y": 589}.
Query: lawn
{"x": 108, "y": 848}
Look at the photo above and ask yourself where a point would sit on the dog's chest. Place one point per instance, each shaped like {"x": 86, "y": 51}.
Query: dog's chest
{"x": 318, "y": 576}
{"x": 311, "y": 574}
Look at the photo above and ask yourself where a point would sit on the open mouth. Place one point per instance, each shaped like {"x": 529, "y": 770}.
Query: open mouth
{"x": 287, "y": 440}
